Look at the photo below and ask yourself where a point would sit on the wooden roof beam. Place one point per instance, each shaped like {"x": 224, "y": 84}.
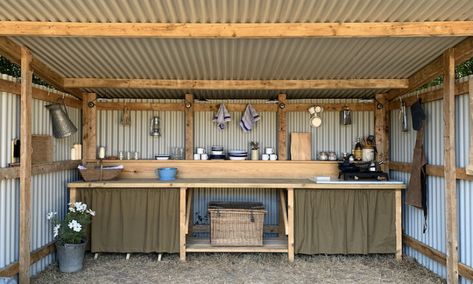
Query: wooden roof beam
{"x": 237, "y": 30}
{"x": 463, "y": 51}
{"x": 235, "y": 84}
{"x": 12, "y": 51}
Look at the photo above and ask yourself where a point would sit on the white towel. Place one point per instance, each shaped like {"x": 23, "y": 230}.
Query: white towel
{"x": 222, "y": 116}
{"x": 249, "y": 118}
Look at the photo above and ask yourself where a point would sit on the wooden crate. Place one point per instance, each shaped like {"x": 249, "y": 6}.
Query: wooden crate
{"x": 236, "y": 223}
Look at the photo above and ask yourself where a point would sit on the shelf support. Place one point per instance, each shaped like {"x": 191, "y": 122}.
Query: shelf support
{"x": 182, "y": 223}
{"x": 282, "y": 127}
{"x": 290, "y": 220}
{"x": 189, "y": 110}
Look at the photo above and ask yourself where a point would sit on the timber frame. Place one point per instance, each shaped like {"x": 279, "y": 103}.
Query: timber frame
{"x": 442, "y": 65}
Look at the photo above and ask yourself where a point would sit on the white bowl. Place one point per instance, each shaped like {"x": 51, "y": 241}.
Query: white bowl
{"x": 217, "y": 152}
{"x": 237, "y": 158}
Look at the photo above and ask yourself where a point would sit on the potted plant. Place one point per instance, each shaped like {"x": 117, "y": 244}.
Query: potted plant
{"x": 254, "y": 150}
{"x": 70, "y": 236}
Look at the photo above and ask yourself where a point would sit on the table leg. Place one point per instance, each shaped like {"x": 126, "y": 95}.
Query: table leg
{"x": 290, "y": 222}
{"x": 398, "y": 222}
{"x": 182, "y": 223}
{"x": 188, "y": 210}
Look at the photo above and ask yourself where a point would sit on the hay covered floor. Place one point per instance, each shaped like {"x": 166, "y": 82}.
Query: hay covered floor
{"x": 242, "y": 268}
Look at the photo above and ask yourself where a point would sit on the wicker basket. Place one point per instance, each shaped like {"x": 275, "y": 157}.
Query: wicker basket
{"x": 95, "y": 174}
{"x": 236, "y": 223}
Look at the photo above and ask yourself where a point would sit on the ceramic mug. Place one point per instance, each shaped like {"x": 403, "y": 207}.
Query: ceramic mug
{"x": 269, "y": 151}
{"x": 204, "y": 157}
{"x": 265, "y": 157}
{"x": 200, "y": 150}
{"x": 196, "y": 156}
{"x": 273, "y": 157}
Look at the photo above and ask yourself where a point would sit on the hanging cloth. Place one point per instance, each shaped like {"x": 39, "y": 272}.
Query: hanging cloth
{"x": 221, "y": 117}
{"x": 416, "y": 194}
{"x": 249, "y": 118}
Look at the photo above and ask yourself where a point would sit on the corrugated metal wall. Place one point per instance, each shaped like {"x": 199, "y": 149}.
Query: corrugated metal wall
{"x": 48, "y": 191}
{"x": 402, "y": 145}
{"x": 331, "y": 136}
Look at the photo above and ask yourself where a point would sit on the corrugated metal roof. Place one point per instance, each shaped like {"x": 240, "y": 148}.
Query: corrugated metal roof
{"x": 237, "y": 59}
{"x": 236, "y": 11}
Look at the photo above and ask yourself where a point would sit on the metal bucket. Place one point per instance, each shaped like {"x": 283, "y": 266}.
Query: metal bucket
{"x": 62, "y": 125}
{"x": 70, "y": 256}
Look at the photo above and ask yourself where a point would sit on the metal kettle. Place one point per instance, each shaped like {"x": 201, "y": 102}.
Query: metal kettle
{"x": 62, "y": 125}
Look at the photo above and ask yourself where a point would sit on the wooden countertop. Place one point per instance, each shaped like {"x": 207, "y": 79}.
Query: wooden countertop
{"x": 263, "y": 183}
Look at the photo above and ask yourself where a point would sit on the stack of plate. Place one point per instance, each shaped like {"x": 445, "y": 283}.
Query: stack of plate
{"x": 217, "y": 153}
{"x": 237, "y": 155}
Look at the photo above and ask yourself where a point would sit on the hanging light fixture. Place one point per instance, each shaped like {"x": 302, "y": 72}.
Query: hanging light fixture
{"x": 155, "y": 130}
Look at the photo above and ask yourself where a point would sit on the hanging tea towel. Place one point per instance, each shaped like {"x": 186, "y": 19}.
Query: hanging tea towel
{"x": 249, "y": 118}
{"x": 222, "y": 116}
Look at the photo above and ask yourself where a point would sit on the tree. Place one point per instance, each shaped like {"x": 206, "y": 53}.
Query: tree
{"x": 12, "y": 69}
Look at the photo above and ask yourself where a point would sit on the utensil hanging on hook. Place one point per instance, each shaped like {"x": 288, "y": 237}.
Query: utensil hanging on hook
{"x": 403, "y": 116}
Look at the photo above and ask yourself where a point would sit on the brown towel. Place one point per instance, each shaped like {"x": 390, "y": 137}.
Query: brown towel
{"x": 416, "y": 194}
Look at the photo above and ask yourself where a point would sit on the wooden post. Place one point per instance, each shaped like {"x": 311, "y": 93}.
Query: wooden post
{"x": 290, "y": 221}
{"x": 449, "y": 165}
{"x": 182, "y": 223}
{"x": 89, "y": 128}
{"x": 25, "y": 165}
{"x": 382, "y": 130}
{"x": 189, "y": 106}
{"x": 398, "y": 222}
{"x": 282, "y": 130}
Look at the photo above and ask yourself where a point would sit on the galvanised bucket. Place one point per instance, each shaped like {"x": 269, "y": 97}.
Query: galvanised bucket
{"x": 62, "y": 125}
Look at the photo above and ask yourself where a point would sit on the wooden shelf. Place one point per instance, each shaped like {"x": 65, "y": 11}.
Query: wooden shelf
{"x": 274, "y": 245}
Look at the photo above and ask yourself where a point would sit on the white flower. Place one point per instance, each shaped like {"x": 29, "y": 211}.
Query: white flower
{"x": 91, "y": 212}
{"x": 56, "y": 230}
{"x": 75, "y": 226}
{"x": 72, "y": 209}
{"x": 80, "y": 207}
{"x": 51, "y": 215}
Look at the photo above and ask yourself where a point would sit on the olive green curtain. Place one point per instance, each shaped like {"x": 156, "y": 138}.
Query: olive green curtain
{"x": 133, "y": 220}
{"x": 344, "y": 221}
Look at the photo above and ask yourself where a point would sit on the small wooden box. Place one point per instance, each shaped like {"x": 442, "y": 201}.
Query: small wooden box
{"x": 236, "y": 223}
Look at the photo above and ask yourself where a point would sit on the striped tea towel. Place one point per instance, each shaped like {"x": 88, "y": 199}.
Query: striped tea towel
{"x": 249, "y": 118}
{"x": 222, "y": 116}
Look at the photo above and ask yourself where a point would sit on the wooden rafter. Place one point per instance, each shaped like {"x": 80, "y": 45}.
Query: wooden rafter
{"x": 12, "y": 51}
{"x": 235, "y": 84}
{"x": 236, "y": 30}
{"x": 463, "y": 52}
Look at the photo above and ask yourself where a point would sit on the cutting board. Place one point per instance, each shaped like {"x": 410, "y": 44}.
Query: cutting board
{"x": 42, "y": 149}
{"x": 301, "y": 146}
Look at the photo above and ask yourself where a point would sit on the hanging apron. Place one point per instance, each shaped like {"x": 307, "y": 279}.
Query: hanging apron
{"x": 416, "y": 194}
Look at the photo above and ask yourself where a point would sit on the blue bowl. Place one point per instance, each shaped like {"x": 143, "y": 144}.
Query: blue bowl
{"x": 167, "y": 173}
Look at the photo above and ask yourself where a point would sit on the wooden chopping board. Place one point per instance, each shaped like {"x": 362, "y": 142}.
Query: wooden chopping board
{"x": 301, "y": 146}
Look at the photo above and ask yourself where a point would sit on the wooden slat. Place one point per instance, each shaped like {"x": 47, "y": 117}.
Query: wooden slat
{"x": 469, "y": 167}
{"x": 235, "y": 84}
{"x": 432, "y": 170}
{"x": 236, "y": 30}
{"x": 464, "y": 270}
{"x": 37, "y": 169}
{"x": 140, "y": 106}
{"x": 449, "y": 166}
{"x": 331, "y": 107}
{"x": 273, "y": 245}
{"x": 182, "y": 224}
{"x": 398, "y": 222}
{"x": 282, "y": 128}
{"x": 462, "y": 52}
{"x": 229, "y": 169}
{"x": 237, "y": 107}
{"x": 25, "y": 165}
{"x": 430, "y": 96}
{"x": 290, "y": 221}
{"x": 89, "y": 128}
{"x": 39, "y": 94}
{"x": 189, "y": 131}
{"x": 11, "y": 51}
{"x": 12, "y": 269}
{"x": 188, "y": 210}
{"x": 282, "y": 199}
{"x": 382, "y": 131}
